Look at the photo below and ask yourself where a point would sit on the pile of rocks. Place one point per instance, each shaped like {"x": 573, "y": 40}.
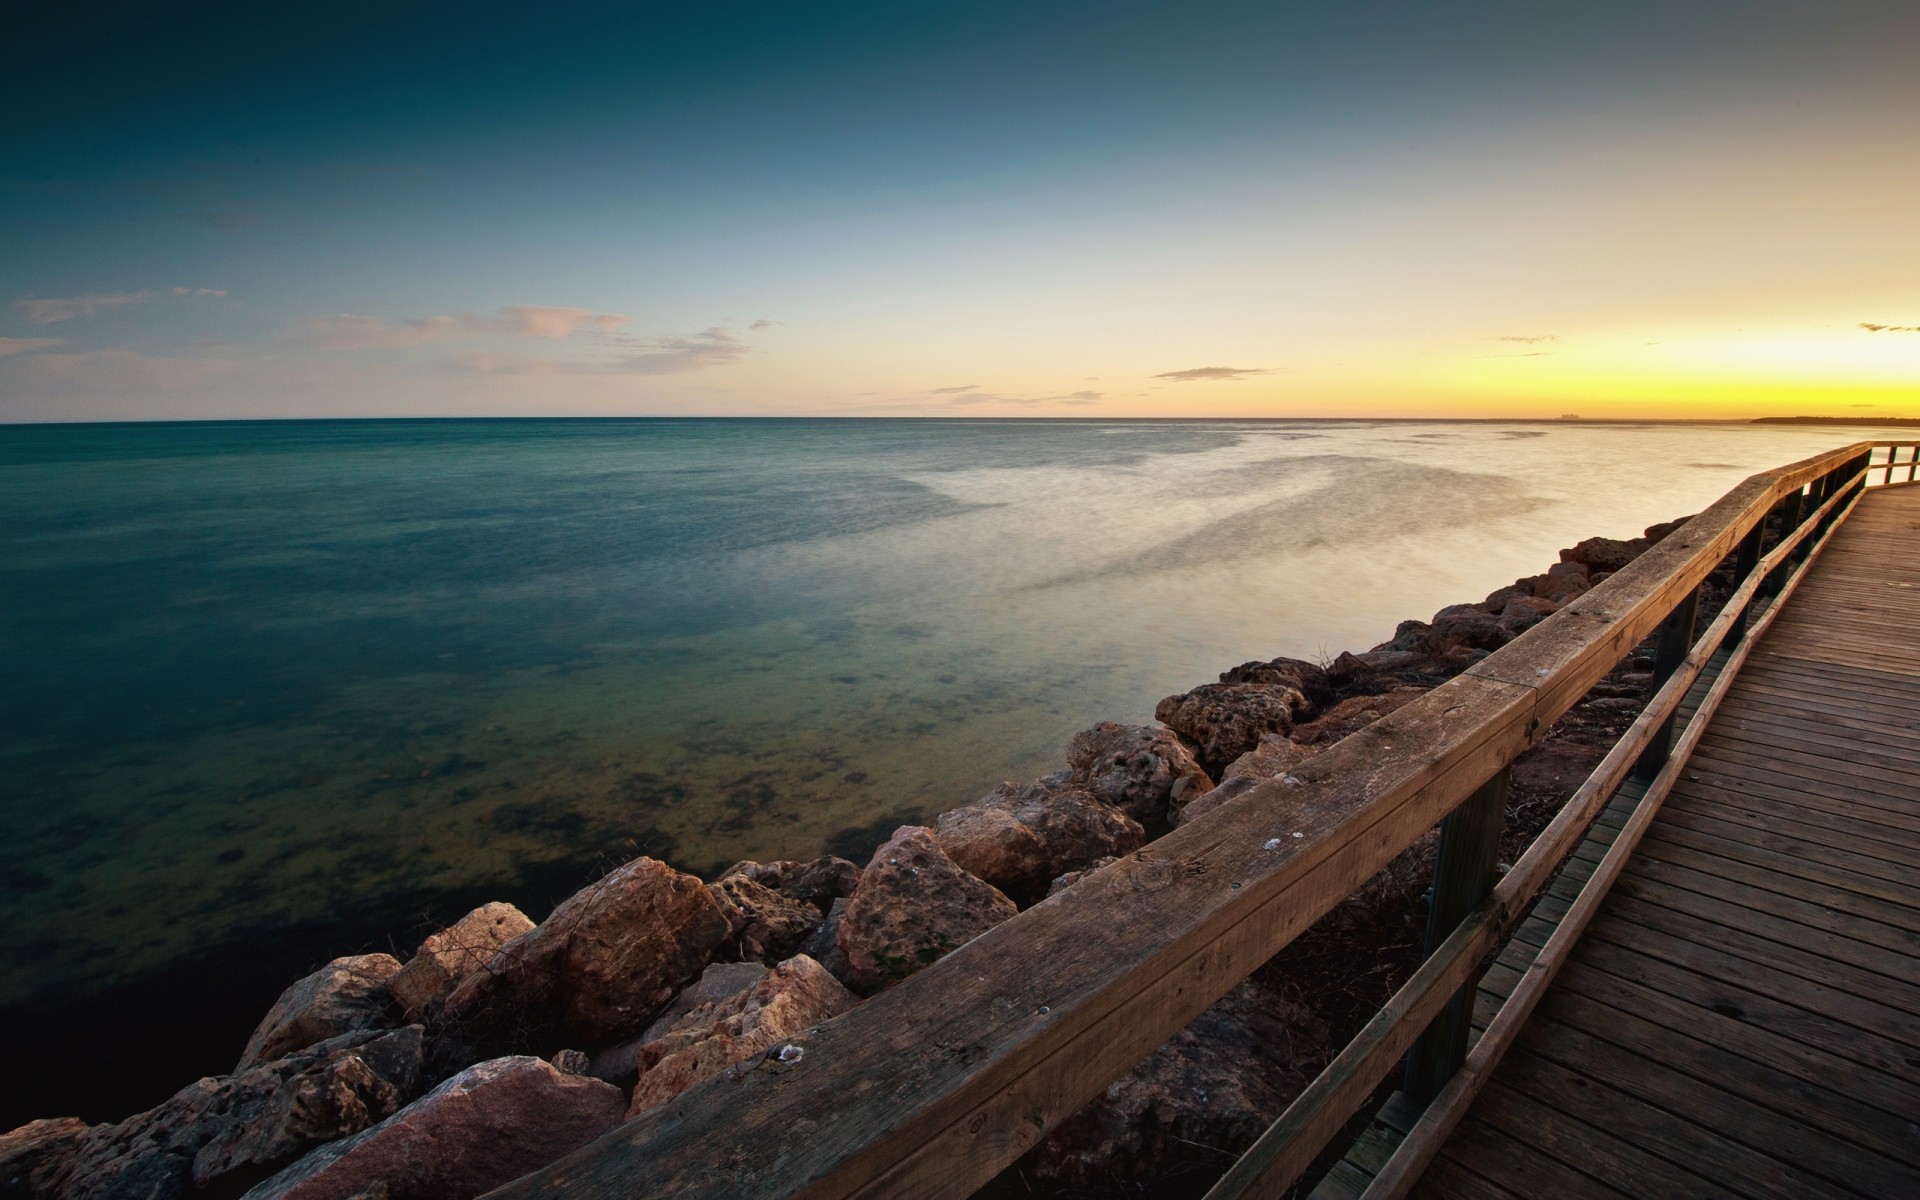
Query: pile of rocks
{"x": 503, "y": 1044}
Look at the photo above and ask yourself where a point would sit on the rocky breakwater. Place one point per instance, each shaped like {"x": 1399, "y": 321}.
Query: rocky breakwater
{"x": 503, "y": 1044}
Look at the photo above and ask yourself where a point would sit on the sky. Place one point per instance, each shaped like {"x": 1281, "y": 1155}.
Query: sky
{"x": 1068, "y": 209}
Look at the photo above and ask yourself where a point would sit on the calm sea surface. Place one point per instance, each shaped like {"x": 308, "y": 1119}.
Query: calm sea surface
{"x": 272, "y": 692}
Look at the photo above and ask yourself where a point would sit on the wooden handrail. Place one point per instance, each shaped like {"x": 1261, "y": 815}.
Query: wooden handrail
{"x": 1417, "y": 1150}
{"x": 1285, "y": 1151}
{"x": 934, "y": 1086}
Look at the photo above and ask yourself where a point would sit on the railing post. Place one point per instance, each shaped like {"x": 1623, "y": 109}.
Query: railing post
{"x": 1462, "y": 878}
{"x": 1676, "y": 638}
{"x": 1746, "y": 561}
{"x": 1788, "y": 513}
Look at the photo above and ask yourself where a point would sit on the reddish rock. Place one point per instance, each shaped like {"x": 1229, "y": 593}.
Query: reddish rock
{"x": 1353, "y": 714}
{"x": 347, "y": 994}
{"x": 490, "y": 1124}
{"x": 245, "y": 1125}
{"x": 1309, "y": 679}
{"x": 596, "y": 969}
{"x": 1655, "y": 534}
{"x": 1209, "y": 1091}
{"x": 763, "y": 925}
{"x": 913, "y": 906}
{"x": 571, "y": 1062}
{"x": 1072, "y": 877}
{"x": 823, "y": 944}
{"x": 1524, "y": 612}
{"x": 1225, "y": 720}
{"x": 446, "y": 958}
{"x": 616, "y": 1064}
{"x": 818, "y": 883}
{"x": 37, "y": 1158}
{"x": 792, "y": 998}
{"x": 1019, "y": 838}
{"x": 1605, "y": 554}
{"x": 1467, "y": 625}
{"x": 1142, "y": 770}
{"x": 1271, "y": 759}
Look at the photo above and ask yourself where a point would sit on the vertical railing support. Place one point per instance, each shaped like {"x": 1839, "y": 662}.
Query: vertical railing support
{"x": 1787, "y": 513}
{"x": 1676, "y": 637}
{"x": 1746, "y": 560}
{"x": 1463, "y": 876}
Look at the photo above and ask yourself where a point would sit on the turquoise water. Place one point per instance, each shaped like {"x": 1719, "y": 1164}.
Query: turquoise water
{"x": 265, "y": 688}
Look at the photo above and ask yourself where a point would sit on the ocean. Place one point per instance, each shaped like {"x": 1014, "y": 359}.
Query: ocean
{"x": 273, "y": 692}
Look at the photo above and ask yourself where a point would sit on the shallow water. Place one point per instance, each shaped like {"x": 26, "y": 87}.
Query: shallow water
{"x": 262, "y": 683}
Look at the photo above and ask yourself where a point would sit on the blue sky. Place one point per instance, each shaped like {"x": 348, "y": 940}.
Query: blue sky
{"x": 1067, "y": 209}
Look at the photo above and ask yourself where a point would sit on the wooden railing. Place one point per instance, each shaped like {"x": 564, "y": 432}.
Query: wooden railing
{"x": 934, "y": 1086}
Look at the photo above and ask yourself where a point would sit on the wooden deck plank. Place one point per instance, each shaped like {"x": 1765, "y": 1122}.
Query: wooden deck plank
{"x": 1723, "y": 1027}
{"x": 1823, "y": 824}
{"x": 1895, "y": 812}
{"x": 1494, "y": 1155}
{"x": 1811, "y": 733}
{"x": 1753, "y": 1149}
{"x": 1685, "y": 870}
{"x": 1837, "y": 1113}
{"x": 1767, "y": 1000}
{"x": 1889, "y": 880}
{"x": 1870, "y": 795}
{"x": 1577, "y": 1128}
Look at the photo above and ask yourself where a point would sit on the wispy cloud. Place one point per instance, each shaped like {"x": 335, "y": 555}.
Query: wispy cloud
{"x": 953, "y": 391}
{"x": 14, "y": 345}
{"x": 48, "y": 312}
{"x": 762, "y": 323}
{"x": 1195, "y": 374}
{"x": 1870, "y": 327}
{"x": 123, "y": 370}
{"x": 968, "y": 398}
{"x": 1531, "y": 339}
{"x": 52, "y": 311}
{"x": 715, "y": 347}
{"x": 353, "y": 331}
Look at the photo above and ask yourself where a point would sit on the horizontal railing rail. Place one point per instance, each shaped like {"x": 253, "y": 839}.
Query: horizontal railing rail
{"x": 937, "y": 1084}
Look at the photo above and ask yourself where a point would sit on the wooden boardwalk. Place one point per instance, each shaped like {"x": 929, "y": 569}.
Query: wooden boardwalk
{"x": 1742, "y": 1018}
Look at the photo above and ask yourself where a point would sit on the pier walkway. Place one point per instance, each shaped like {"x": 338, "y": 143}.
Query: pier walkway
{"x": 1742, "y": 1015}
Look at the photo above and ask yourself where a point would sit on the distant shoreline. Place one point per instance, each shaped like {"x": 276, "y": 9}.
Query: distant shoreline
{"x": 1835, "y": 421}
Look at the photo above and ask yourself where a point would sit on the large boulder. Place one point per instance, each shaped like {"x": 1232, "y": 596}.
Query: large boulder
{"x": 1271, "y": 759}
{"x": 1354, "y": 714}
{"x": 1605, "y": 554}
{"x": 1210, "y": 1090}
{"x": 763, "y": 925}
{"x": 447, "y": 958}
{"x": 1144, "y": 771}
{"x": 37, "y": 1158}
{"x": 1019, "y": 838}
{"x": 1468, "y": 626}
{"x": 818, "y": 883}
{"x": 788, "y": 1000}
{"x": 823, "y": 944}
{"x": 1225, "y": 720}
{"x": 346, "y": 995}
{"x": 616, "y": 1064}
{"x": 238, "y": 1128}
{"x": 490, "y": 1124}
{"x": 913, "y": 906}
{"x": 599, "y": 967}
{"x": 1316, "y": 683}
